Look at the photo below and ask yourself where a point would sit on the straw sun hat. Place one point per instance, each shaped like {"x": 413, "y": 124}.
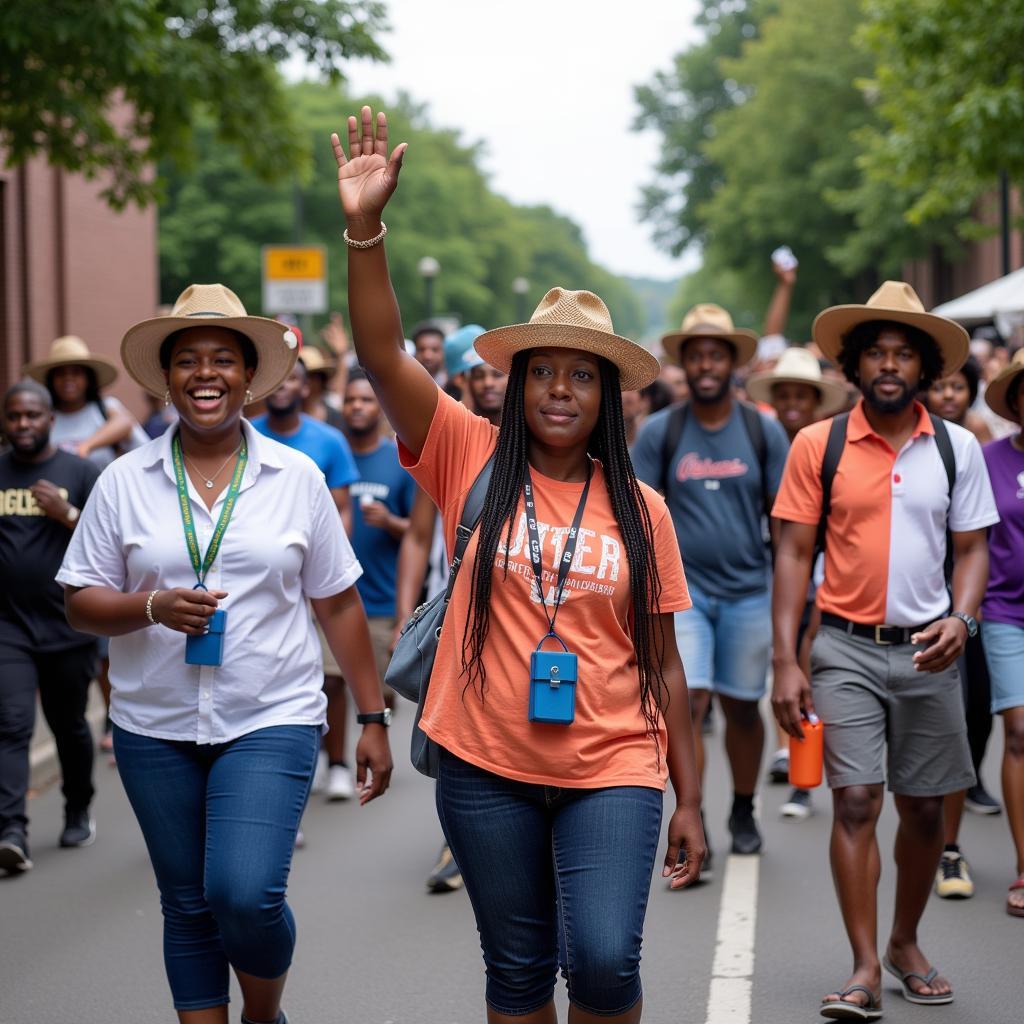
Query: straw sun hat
{"x": 211, "y": 305}
{"x": 72, "y": 351}
{"x": 568, "y": 319}
{"x": 898, "y": 302}
{"x": 995, "y": 393}
{"x": 707, "y": 320}
{"x": 798, "y": 366}
{"x": 316, "y": 362}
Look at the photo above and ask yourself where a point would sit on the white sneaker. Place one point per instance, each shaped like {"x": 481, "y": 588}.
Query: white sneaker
{"x": 798, "y": 806}
{"x": 339, "y": 783}
{"x": 320, "y": 774}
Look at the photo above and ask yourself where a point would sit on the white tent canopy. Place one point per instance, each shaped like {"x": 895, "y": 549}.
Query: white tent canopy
{"x": 1001, "y": 301}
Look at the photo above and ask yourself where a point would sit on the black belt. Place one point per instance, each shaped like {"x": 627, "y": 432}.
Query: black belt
{"x": 885, "y": 636}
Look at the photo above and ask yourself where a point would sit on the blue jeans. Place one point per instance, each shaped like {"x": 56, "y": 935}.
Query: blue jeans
{"x": 557, "y": 877}
{"x": 219, "y": 822}
{"x": 726, "y": 644}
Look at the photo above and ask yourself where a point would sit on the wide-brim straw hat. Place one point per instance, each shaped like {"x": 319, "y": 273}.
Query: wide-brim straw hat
{"x": 995, "y": 393}
{"x": 570, "y": 319}
{"x": 798, "y": 366}
{"x": 72, "y": 351}
{"x": 214, "y": 305}
{"x": 706, "y": 320}
{"x": 897, "y": 302}
{"x": 316, "y": 362}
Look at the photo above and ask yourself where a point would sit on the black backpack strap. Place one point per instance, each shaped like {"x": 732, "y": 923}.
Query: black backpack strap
{"x": 471, "y": 512}
{"x": 755, "y": 431}
{"x": 829, "y": 464}
{"x": 945, "y": 446}
{"x": 673, "y": 435}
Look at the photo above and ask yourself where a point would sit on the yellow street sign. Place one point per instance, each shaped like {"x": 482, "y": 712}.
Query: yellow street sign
{"x": 293, "y": 263}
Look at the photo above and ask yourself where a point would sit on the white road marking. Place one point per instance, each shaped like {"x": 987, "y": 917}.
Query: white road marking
{"x": 732, "y": 971}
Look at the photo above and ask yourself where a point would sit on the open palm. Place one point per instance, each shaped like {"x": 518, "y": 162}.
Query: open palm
{"x": 368, "y": 176}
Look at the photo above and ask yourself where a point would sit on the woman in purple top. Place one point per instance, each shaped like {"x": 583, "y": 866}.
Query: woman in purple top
{"x": 1003, "y": 607}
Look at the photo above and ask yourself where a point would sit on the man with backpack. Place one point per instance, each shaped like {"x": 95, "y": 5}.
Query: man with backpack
{"x": 879, "y": 488}
{"x": 719, "y": 463}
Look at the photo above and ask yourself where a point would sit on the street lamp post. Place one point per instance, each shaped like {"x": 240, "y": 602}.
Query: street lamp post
{"x": 429, "y": 268}
{"x": 520, "y": 286}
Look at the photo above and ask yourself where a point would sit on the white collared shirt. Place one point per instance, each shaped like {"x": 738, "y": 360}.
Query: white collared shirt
{"x": 285, "y": 543}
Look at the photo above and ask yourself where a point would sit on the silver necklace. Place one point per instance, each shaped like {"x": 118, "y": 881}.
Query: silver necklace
{"x": 209, "y": 483}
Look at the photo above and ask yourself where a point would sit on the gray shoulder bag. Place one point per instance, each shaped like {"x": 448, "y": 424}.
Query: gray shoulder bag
{"x": 408, "y": 673}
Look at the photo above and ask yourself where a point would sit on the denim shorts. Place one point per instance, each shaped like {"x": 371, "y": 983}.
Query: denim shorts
{"x": 557, "y": 878}
{"x": 1004, "y": 652}
{"x": 726, "y": 644}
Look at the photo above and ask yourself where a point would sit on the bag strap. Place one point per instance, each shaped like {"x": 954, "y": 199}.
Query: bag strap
{"x": 471, "y": 512}
{"x": 945, "y": 446}
{"x": 755, "y": 431}
{"x": 670, "y": 442}
{"x": 829, "y": 464}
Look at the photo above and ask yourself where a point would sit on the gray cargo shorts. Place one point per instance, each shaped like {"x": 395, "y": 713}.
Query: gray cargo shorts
{"x": 885, "y": 720}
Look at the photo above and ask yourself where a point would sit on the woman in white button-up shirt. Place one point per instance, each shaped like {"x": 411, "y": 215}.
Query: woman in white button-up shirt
{"x": 217, "y": 760}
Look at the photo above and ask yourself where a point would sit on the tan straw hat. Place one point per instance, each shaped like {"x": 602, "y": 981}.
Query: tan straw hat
{"x": 214, "y": 305}
{"x": 898, "y": 302}
{"x": 567, "y": 319}
{"x": 315, "y": 362}
{"x": 995, "y": 393}
{"x": 798, "y": 366}
{"x": 72, "y": 351}
{"x": 706, "y": 320}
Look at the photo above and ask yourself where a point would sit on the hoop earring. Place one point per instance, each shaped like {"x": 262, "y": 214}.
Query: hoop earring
{"x": 248, "y": 396}
{"x": 167, "y": 397}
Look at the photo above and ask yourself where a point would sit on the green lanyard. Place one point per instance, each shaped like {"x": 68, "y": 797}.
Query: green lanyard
{"x": 201, "y": 568}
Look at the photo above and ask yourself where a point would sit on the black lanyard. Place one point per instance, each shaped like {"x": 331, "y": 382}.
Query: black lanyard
{"x": 567, "y": 553}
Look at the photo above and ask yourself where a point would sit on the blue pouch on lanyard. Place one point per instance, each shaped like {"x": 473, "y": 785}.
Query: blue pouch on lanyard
{"x": 553, "y": 678}
{"x": 208, "y": 649}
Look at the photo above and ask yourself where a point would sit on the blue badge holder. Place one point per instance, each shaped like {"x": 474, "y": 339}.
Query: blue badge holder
{"x": 553, "y": 678}
{"x": 208, "y": 649}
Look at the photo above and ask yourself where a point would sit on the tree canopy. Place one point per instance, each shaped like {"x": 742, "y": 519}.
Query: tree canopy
{"x": 117, "y": 86}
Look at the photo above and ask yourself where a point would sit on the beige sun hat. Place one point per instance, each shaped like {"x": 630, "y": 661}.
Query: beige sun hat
{"x": 898, "y": 302}
{"x": 316, "y": 362}
{"x": 706, "y": 320}
{"x": 798, "y": 366}
{"x": 995, "y": 393}
{"x": 212, "y": 304}
{"x": 568, "y": 319}
{"x": 72, "y": 351}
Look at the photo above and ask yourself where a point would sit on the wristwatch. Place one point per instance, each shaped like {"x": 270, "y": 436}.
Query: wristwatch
{"x": 968, "y": 620}
{"x": 375, "y": 718}
{"x": 72, "y": 514}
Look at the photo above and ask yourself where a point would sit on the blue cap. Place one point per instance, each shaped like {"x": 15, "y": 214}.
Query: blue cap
{"x": 459, "y": 354}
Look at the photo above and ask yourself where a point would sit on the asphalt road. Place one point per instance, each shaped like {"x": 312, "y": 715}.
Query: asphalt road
{"x": 80, "y": 935}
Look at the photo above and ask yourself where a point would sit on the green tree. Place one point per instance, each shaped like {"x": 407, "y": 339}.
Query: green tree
{"x": 65, "y": 67}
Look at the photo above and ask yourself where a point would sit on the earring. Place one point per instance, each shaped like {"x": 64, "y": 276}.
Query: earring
{"x": 248, "y": 396}
{"x": 167, "y": 397}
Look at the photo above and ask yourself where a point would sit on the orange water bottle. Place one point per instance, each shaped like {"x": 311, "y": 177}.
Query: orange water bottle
{"x": 807, "y": 755}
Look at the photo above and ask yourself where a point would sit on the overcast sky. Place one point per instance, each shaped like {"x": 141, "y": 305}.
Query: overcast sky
{"x": 548, "y": 86}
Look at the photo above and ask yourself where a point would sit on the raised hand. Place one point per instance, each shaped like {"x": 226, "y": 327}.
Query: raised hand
{"x": 368, "y": 176}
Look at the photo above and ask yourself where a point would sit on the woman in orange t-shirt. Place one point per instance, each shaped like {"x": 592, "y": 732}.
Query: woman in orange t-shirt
{"x": 558, "y": 698}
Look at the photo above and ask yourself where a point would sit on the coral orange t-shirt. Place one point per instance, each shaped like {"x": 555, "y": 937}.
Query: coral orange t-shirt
{"x": 608, "y": 743}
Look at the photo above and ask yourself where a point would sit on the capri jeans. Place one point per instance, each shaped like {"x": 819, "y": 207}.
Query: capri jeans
{"x": 220, "y": 822}
{"x": 557, "y": 878}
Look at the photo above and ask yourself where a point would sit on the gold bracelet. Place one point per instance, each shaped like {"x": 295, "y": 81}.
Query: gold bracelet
{"x": 367, "y": 243}
{"x": 149, "y": 606}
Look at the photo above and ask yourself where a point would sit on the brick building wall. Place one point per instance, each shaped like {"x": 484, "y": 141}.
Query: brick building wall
{"x": 69, "y": 264}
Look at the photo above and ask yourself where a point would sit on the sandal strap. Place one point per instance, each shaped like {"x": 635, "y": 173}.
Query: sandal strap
{"x": 872, "y": 998}
{"x": 925, "y": 979}
{"x": 1018, "y": 884}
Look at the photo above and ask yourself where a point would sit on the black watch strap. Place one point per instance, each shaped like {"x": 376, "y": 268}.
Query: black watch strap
{"x": 375, "y": 718}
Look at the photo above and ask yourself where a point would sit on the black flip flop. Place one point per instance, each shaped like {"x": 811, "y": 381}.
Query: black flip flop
{"x": 842, "y": 1009}
{"x": 935, "y": 999}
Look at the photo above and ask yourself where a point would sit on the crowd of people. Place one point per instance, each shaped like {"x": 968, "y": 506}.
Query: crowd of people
{"x": 660, "y": 543}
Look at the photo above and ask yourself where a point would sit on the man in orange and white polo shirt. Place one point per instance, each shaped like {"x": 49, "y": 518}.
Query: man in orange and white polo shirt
{"x": 884, "y": 680}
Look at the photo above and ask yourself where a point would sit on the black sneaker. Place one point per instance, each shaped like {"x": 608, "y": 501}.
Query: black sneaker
{"x": 446, "y": 876}
{"x": 79, "y": 829}
{"x": 980, "y": 801}
{"x": 778, "y": 770}
{"x": 14, "y": 858}
{"x": 745, "y": 836}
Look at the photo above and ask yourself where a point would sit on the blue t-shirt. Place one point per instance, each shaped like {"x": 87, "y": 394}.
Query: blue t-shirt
{"x": 383, "y": 479}
{"x": 325, "y": 445}
{"x": 716, "y": 499}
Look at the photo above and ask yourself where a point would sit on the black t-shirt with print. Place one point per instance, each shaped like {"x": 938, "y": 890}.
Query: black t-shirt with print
{"x": 32, "y": 547}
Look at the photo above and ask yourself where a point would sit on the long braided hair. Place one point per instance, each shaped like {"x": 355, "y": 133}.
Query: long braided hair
{"x": 608, "y": 444}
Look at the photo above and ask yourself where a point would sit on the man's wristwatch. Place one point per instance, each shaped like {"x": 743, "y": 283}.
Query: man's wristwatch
{"x": 375, "y": 718}
{"x": 968, "y": 620}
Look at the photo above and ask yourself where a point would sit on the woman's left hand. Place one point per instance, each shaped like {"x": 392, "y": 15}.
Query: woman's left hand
{"x": 373, "y": 753}
{"x": 686, "y": 838}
